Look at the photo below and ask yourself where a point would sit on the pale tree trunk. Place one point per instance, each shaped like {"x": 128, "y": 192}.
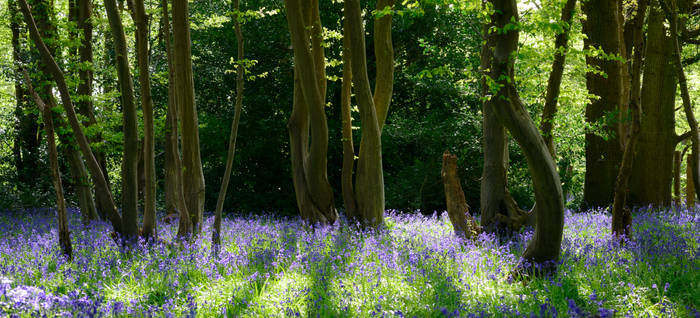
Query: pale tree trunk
{"x": 621, "y": 215}
{"x": 102, "y": 190}
{"x": 561, "y": 45}
{"x": 369, "y": 181}
{"x": 63, "y": 233}
{"x": 457, "y": 207}
{"x": 677, "y": 177}
{"x": 193, "y": 181}
{"x": 694, "y": 159}
{"x": 216, "y": 233}
{"x": 130, "y": 127}
{"x": 348, "y": 168}
{"x": 603, "y": 155}
{"x": 309, "y": 161}
{"x": 149, "y": 166}
{"x": 651, "y": 178}
{"x": 174, "y": 175}
{"x": 544, "y": 248}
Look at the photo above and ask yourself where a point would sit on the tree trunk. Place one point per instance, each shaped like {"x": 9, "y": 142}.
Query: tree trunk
{"x": 348, "y": 169}
{"x": 545, "y": 245}
{"x": 193, "y": 180}
{"x": 20, "y": 92}
{"x": 689, "y": 182}
{"x": 81, "y": 182}
{"x": 694, "y": 159}
{"x": 101, "y": 188}
{"x": 561, "y": 45}
{"x": 174, "y": 173}
{"x": 149, "y": 166}
{"x": 603, "y": 28}
{"x": 369, "y": 181}
{"x": 216, "y": 234}
{"x": 651, "y": 178}
{"x": 457, "y": 207}
{"x": 677, "y": 178}
{"x": 309, "y": 163}
{"x": 63, "y": 233}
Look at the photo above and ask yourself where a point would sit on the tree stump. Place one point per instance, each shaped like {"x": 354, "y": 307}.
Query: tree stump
{"x": 457, "y": 207}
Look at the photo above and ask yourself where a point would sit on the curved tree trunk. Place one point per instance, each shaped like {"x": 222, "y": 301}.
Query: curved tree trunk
{"x": 309, "y": 164}
{"x": 216, "y": 233}
{"x": 193, "y": 180}
{"x": 102, "y": 190}
{"x": 140, "y": 18}
{"x": 545, "y": 245}
{"x": 63, "y": 233}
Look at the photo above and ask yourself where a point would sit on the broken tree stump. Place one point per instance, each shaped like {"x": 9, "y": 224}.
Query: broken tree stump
{"x": 457, "y": 207}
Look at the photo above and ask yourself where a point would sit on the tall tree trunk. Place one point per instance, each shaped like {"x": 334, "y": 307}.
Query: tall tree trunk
{"x": 603, "y": 28}
{"x": 21, "y": 96}
{"x": 173, "y": 174}
{"x": 621, "y": 215}
{"x": 369, "y": 181}
{"x": 149, "y": 164}
{"x": 131, "y": 142}
{"x": 561, "y": 45}
{"x": 694, "y": 162}
{"x": 216, "y": 234}
{"x": 689, "y": 182}
{"x": 545, "y": 245}
{"x": 63, "y": 233}
{"x": 80, "y": 180}
{"x": 184, "y": 84}
{"x": 309, "y": 161}
{"x": 101, "y": 188}
{"x": 651, "y": 178}
{"x": 348, "y": 168}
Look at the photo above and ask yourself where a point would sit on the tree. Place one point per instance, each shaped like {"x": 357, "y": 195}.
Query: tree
{"x": 193, "y": 181}
{"x": 240, "y": 72}
{"x": 501, "y": 41}
{"x": 46, "y": 110}
{"x": 140, "y": 17}
{"x": 314, "y": 195}
{"x": 605, "y": 80}
{"x": 369, "y": 181}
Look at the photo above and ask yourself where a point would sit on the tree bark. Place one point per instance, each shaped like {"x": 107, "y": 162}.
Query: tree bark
{"x": 603, "y": 28}
{"x": 140, "y": 18}
{"x": 651, "y": 178}
{"x": 545, "y": 245}
{"x": 677, "y": 177}
{"x": 174, "y": 174}
{"x": 384, "y": 55}
{"x": 348, "y": 168}
{"x": 309, "y": 163}
{"x": 20, "y": 92}
{"x": 216, "y": 234}
{"x": 457, "y": 207}
{"x": 102, "y": 190}
{"x": 694, "y": 160}
{"x": 63, "y": 233}
{"x": 561, "y": 45}
{"x": 193, "y": 180}
{"x": 689, "y": 182}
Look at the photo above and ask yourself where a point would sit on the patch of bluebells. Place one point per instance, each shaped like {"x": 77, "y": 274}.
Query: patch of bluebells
{"x": 415, "y": 266}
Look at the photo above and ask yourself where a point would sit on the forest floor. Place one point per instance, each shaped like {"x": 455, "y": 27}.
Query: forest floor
{"x": 273, "y": 266}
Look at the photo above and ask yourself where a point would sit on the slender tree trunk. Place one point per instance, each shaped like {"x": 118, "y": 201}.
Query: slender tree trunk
{"x": 457, "y": 207}
{"x": 102, "y": 190}
{"x": 603, "y": 155}
{"x": 216, "y": 234}
{"x": 19, "y": 149}
{"x": 309, "y": 162}
{"x": 546, "y": 242}
{"x": 689, "y": 182}
{"x": 63, "y": 233}
{"x": 384, "y": 54}
{"x": 174, "y": 173}
{"x": 694, "y": 160}
{"x": 184, "y": 84}
{"x": 348, "y": 168}
{"x": 677, "y": 177}
{"x": 149, "y": 166}
{"x": 651, "y": 178}
{"x": 561, "y": 45}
